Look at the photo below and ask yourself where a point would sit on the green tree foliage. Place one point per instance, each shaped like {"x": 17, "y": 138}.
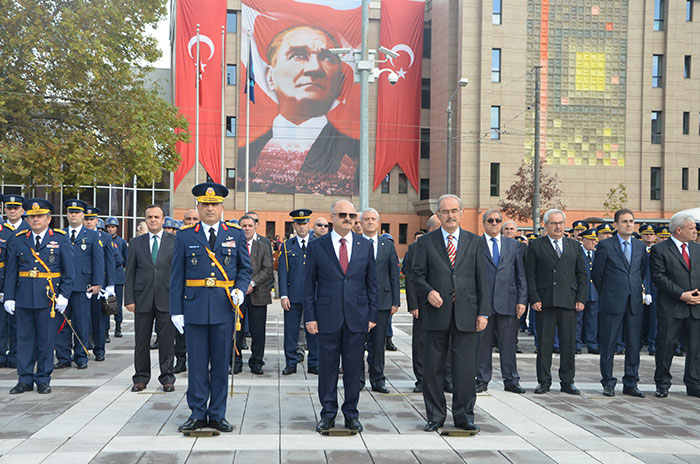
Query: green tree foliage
{"x": 518, "y": 202}
{"x": 74, "y": 104}
{"x": 616, "y": 199}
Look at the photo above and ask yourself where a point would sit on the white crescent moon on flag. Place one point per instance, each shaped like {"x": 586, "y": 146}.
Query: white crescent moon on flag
{"x": 207, "y": 40}
{"x": 402, "y": 48}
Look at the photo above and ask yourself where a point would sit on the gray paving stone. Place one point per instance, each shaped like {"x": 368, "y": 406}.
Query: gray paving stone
{"x": 394, "y": 457}
{"x": 526, "y": 457}
{"x": 257, "y": 457}
{"x": 484, "y": 457}
{"x": 117, "y": 458}
{"x": 656, "y": 458}
{"x": 349, "y": 457}
{"x": 303, "y": 457}
{"x": 210, "y": 457}
{"x": 438, "y": 457}
{"x": 159, "y": 457}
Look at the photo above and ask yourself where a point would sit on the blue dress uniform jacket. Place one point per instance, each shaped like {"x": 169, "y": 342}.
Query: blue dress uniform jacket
{"x": 110, "y": 259}
{"x": 6, "y": 234}
{"x": 120, "y": 249}
{"x": 8, "y": 330}
{"x": 99, "y": 321}
{"x": 89, "y": 260}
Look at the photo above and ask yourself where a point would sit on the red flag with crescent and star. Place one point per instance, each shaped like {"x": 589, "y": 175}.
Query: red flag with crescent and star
{"x": 398, "y": 106}
{"x": 211, "y": 16}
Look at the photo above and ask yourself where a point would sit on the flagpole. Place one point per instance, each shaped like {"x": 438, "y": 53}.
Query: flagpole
{"x": 247, "y": 126}
{"x": 223, "y": 86}
{"x": 196, "y": 124}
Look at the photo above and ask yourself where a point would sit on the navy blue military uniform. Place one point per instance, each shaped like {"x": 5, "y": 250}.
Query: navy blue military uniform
{"x": 198, "y": 290}
{"x": 590, "y": 313}
{"x": 120, "y": 249}
{"x": 649, "y": 324}
{"x": 291, "y": 285}
{"x": 90, "y": 270}
{"x": 28, "y": 283}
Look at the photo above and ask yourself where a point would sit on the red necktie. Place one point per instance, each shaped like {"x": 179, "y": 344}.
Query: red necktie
{"x": 451, "y": 251}
{"x": 686, "y": 257}
{"x": 343, "y": 256}
{"x": 248, "y": 244}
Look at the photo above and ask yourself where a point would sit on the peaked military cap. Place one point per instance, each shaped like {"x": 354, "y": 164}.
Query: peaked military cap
{"x": 590, "y": 234}
{"x": 13, "y": 200}
{"x": 301, "y": 216}
{"x": 646, "y": 229}
{"x": 75, "y": 206}
{"x": 37, "y": 206}
{"x": 210, "y": 192}
{"x": 662, "y": 231}
{"x": 92, "y": 211}
{"x": 580, "y": 225}
{"x": 605, "y": 228}
{"x": 169, "y": 223}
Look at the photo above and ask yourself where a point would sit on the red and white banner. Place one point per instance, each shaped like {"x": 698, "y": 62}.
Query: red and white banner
{"x": 211, "y": 16}
{"x": 398, "y": 106}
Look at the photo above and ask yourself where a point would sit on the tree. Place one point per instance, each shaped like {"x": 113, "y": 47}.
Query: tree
{"x": 616, "y": 199}
{"x": 518, "y": 202}
{"x": 74, "y": 105}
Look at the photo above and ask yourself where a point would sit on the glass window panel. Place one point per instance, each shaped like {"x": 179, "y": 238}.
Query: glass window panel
{"x": 162, "y": 198}
{"x": 102, "y": 200}
{"x": 144, "y": 198}
{"x": 403, "y": 183}
{"x": 230, "y": 74}
{"x": 495, "y": 122}
{"x": 425, "y": 189}
{"x": 496, "y": 65}
{"x": 385, "y": 184}
{"x": 230, "y": 126}
{"x": 117, "y": 201}
{"x": 231, "y": 21}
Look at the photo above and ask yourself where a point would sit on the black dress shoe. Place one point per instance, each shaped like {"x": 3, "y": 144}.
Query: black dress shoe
{"x": 257, "y": 370}
{"x": 61, "y": 365}
{"x": 695, "y": 393}
{"x": 390, "y": 345}
{"x": 326, "y": 423}
{"x": 570, "y": 388}
{"x": 652, "y": 351}
{"x": 192, "y": 424}
{"x": 633, "y": 391}
{"x": 418, "y": 388}
{"x": 222, "y": 425}
{"x": 469, "y": 425}
{"x": 380, "y": 389}
{"x": 82, "y": 365}
{"x": 313, "y": 370}
{"x": 448, "y": 387}
{"x": 43, "y": 388}
{"x": 21, "y": 388}
{"x": 244, "y": 345}
{"x": 431, "y": 426}
{"x": 609, "y": 391}
{"x": 661, "y": 392}
{"x": 237, "y": 369}
{"x": 118, "y": 331}
{"x": 168, "y": 387}
{"x": 578, "y": 351}
{"x": 514, "y": 388}
{"x": 541, "y": 389}
{"x": 180, "y": 367}
{"x": 107, "y": 339}
{"x": 555, "y": 350}
{"x": 481, "y": 386}
{"x": 99, "y": 357}
{"x": 138, "y": 386}
{"x": 593, "y": 351}
{"x": 154, "y": 346}
{"x": 619, "y": 352}
{"x": 353, "y": 424}
{"x": 518, "y": 350}
{"x": 289, "y": 370}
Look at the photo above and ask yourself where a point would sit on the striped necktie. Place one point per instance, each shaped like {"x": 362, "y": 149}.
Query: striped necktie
{"x": 451, "y": 250}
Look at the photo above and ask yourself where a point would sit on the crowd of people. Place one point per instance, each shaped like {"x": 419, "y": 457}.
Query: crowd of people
{"x": 206, "y": 284}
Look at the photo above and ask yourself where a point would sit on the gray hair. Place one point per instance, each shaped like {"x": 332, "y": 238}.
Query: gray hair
{"x": 549, "y": 212}
{"x": 369, "y": 210}
{"x": 338, "y": 201}
{"x": 511, "y": 222}
{"x": 679, "y": 220}
{"x": 489, "y": 212}
{"x": 449, "y": 195}
{"x": 431, "y": 223}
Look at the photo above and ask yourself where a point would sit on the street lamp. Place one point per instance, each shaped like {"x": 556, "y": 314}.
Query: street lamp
{"x": 448, "y": 171}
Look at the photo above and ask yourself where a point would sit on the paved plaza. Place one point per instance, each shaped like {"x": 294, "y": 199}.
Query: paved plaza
{"x": 92, "y": 416}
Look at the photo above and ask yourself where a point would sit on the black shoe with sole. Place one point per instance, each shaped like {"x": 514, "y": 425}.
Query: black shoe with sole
{"x": 191, "y": 425}
{"x": 481, "y": 386}
{"x": 61, "y": 365}
{"x": 21, "y": 388}
{"x": 390, "y": 345}
{"x": 570, "y": 388}
{"x": 222, "y": 425}
{"x": 431, "y": 426}
{"x": 180, "y": 367}
{"x": 43, "y": 388}
{"x": 514, "y": 388}
{"x": 326, "y": 423}
{"x": 661, "y": 392}
{"x": 469, "y": 425}
{"x": 633, "y": 391}
{"x": 118, "y": 331}
{"x": 289, "y": 370}
{"x": 313, "y": 370}
{"x": 353, "y": 424}
{"x": 380, "y": 389}
{"x": 542, "y": 389}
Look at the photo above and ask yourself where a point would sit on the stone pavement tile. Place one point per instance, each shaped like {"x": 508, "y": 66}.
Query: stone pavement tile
{"x": 303, "y": 457}
{"x": 484, "y": 457}
{"x": 653, "y": 445}
{"x": 349, "y": 457}
{"x": 615, "y": 457}
{"x": 527, "y": 457}
{"x": 571, "y": 457}
{"x": 393, "y": 457}
{"x": 489, "y": 442}
{"x": 438, "y": 457}
{"x": 232, "y": 441}
{"x": 261, "y": 415}
{"x": 316, "y": 441}
{"x": 689, "y": 458}
{"x": 657, "y": 458}
{"x": 422, "y": 441}
{"x": 160, "y": 457}
{"x": 150, "y": 443}
{"x": 126, "y": 457}
{"x": 210, "y": 457}
{"x": 256, "y": 457}
{"x": 151, "y": 417}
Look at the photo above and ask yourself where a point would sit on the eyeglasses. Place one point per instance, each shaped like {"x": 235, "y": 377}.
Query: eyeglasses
{"x": 494, "y": 220}
{"x": 190, "y": 219}
{"x": 453, "y": 212}
{"x": 346, "y": 215}
{"x": 320, "y": 225}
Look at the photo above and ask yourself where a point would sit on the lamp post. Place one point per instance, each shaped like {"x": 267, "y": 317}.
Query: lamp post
{"x": 448, "y": 171}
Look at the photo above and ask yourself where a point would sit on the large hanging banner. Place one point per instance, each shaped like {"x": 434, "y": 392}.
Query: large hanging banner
{"x": 210, "y": 15}
{"x": 398, "y": 106}
{"x": 305, "y": 118}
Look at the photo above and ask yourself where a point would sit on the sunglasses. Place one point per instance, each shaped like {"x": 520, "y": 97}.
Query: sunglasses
{"x": 494, "y": 220}
{"x": 346, "y": 215}
{"x": 320, "y": 225}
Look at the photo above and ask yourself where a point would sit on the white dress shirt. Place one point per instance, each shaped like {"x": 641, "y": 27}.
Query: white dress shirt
{"x": 206, "y": 227}
{"x": 559, "y": 242}
{"x": 678, "y": 244}
{"x": 455, "y": 236}
{"x": 489, "y": 242}
{"x": 290, "y": 136}
{"x": 77, "y": 231}
{"x": 15, "y": 225}
{"x": 41, "y": 237}
{"x": 375, "y": 243}
{"x": 150, "y": 239}
{"x": 335, "y": 238}
{"x": 303, "y": 241}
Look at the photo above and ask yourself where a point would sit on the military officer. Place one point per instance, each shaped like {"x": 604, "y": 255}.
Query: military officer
{"x": 39, "y": 280}
{"x": 604, "y": 231}
{"x": 291, "y": 283}
{"x": 577, "y": 228}
{"x": 587, "y": 329}
{"x": 98, "y": 320}
{"x": 8, "y": 340}
{"x": 14, "y": 212}
{"x": 649, "y": 323}
{"x": 210, "y": 274}
{"x": 89, "y": 279}
{"x": 662, "y": 233}
{"x": 120, "y": 248}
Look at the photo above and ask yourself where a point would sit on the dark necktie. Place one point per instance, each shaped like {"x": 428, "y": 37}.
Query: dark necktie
{"x": 686, "y": 256}
{"x": 557, "y": 249}
{"x": 496, "y": 255}
{"x": 303, "y": 246}
{"x": 590, "y": 258}
{"x": 154, "y": 250}
{"x": 38, "y": 242}
{"x": 72, "y": 237}
{"x": 212, "y": 238}
{"x": 343, "y": 256}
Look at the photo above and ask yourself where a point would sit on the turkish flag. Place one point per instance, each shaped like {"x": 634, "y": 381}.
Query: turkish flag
{"x": 398, "y": 106}
{"x": 211, "y": 16}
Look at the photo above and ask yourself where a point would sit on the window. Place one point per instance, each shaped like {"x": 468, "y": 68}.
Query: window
{"x": 385, "y": 184}
{"x": 688, "y": 10}
{"x": 684, "y": 179}
{"x": 425, "y": 189}
{"x": 495, "y": 65}
{"x": 496, "y": 16}
{"x": 427, "y": 41}
{"x": 686, "y": 66}
{"x": 657, "y": 71}
{"x": 659, "y": 6}
{"x": 230, "y": 126}
{"x": 403, "y": 234}
{"x": 425, "y": 93}
{"x": 686, "y": 122}
{"x": 385, "y": 228}
{"x": 403, "y": 183}
{"x": 495, "y": 122}
{"x": 230, "y": 178}
{"x": 230, "y": 74}
{"x": 231, "y": 22}
{"x": 495, "y": 179}
{"x": 270, "y": 229}
{"x": 425, "y": 143}
{"x": 656, "y": 126}
{"x": 655, "y": 183}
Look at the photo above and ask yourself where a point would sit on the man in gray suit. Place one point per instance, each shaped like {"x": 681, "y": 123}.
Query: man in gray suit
{"x": 388, "y": 297}
{"x": 146, "y": 288}
{"x": 449, "y": 276}
{"x": 505, "y": 272}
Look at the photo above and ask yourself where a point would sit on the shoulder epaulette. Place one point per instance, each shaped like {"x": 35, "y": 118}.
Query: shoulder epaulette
{"x": 9, "y": 226}
{"x": 60, "y": 231}
{"x": 22, "y": 232}
{"x": 187, "y": 226}
{"x": 233, "y": 224}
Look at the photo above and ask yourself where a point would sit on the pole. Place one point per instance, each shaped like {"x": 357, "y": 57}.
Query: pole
{"x": 536, "y": 182}
{"x": 196, "y": 123}
{"x": 223, "y": 86}
{"x": 448, "y": 168}
{"x": 247, "y": 125}
{"x": 364, "y": 111}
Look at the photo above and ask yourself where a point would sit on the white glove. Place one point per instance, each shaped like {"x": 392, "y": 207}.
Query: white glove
{"x": 647, "y": 298}
{"x": 237, "y": 296}
{"x": 179, "y": 322}
{"x": 109, "y": 291}
{"x": 89, "y": 295}
{"x": 2, "y": 297}
{"x": 10, "y": 307}
{"x": 61, "y": 303}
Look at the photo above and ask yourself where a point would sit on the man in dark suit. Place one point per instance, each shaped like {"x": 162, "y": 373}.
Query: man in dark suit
{"x": 340, "y": 304}
{"x": 589, "y": 240}
{"x": 675, "y": 269}
{"x": 618, "y": 270}
{"x": 147, "y": 283}
{"x": 257, "y": 297}
{"x": 449, "y": 274}
{"x": 388, "y": 297}
{"x": 412, "y": 301}
{"x": 505, "y": 273}
{"x": 556, "y": 283}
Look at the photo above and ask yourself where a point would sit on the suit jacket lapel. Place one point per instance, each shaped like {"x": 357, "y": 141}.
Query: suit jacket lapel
{"x": 550, "y": 248}
{"x": 439, "y": 243}
{"x": 461, "y": 246}
{"x": 356, "y": 247}
{"x": 330, "y": 250}
{"x": 489, "y": 256}
{"x": 201, "y": 237}
{"x": 676, "y": 252}
{"x": 618, "y": 248}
